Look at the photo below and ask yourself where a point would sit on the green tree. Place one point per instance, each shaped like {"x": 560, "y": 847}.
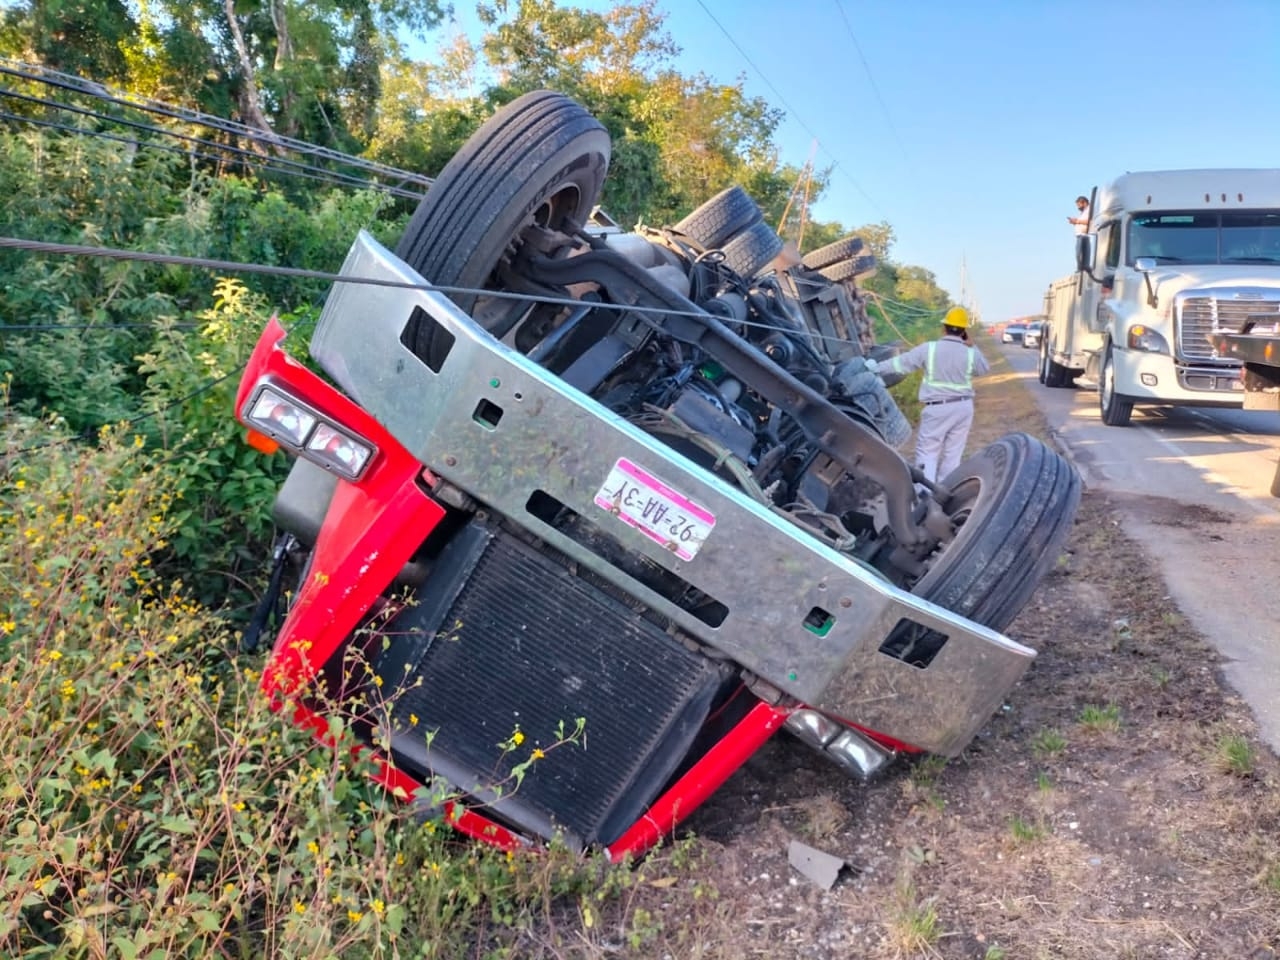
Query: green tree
{"x": 308, "y": 70}
{"x": 918, "y": 285}
{"x": 83, "y": 37}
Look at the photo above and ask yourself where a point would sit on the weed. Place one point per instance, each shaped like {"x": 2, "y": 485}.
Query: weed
{"x": 1024, "y": 832}
{"x": 927, "y": 770}
{"x": 923, "y": 783}
{"x": 1161, "y": 677}
{"x": 995, "y": 953}
{"x": 914, "y": 925}
{"x": 1099, "y": 719}
{"x": 824, "y": 817}
{"x": 1272, "y": 879}
{"x": 1235, "y": 755}
{"x": 922, "y": 856}
{"x": 1044, "y": 782}
{"x": 1047, "y": 743}
{"x": 161, "y": 789}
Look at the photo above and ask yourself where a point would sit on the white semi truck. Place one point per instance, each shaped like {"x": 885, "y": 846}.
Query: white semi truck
{"x": 1169, "y": 257}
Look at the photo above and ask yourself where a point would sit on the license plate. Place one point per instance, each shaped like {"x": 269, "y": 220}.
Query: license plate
{"x": 665, "y": 516}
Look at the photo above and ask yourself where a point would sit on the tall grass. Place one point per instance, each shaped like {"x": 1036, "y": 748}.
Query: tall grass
{"x": 151, "y": 805}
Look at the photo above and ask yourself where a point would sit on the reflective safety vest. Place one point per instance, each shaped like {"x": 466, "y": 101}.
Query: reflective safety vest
{"x": 949, "y": 367}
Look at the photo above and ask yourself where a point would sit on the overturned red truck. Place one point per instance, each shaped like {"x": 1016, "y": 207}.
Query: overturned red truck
{"x": 642, "y": 480}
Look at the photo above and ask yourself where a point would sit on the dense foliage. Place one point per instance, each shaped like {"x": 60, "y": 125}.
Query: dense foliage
{"x": 153, "y": 807}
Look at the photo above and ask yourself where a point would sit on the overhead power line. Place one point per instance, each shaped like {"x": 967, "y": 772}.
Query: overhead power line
{"x": 872, "y": 81}
{"x": 246, "y": 157}
{"x": 269, "y": 141}
{"x": 233, "y": 266}
{"x": 790, "y": 110}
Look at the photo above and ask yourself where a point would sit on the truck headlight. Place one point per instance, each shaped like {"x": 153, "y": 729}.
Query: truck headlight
{"x": 1142, "y": 337}
{"x": 306, "y": 433}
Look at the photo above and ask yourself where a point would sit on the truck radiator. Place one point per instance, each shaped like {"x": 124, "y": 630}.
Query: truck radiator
{"x": 1199, "y": 316}
{"x": 504, "y": 636}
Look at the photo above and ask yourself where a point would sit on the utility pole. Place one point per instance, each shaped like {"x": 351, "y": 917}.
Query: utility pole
{"x": 801, "y": 190}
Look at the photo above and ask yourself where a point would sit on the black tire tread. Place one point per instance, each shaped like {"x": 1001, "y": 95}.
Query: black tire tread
{"x": 851, "y": 269}
{"x": 1056, "y": 375}
{"x": 1121, "y": 409}
{"x": 842, "y": 249}
{"x": 994, "y": 569}
{"x": 718, "y": 220}
{"x": 752, "y": 250}
{"x": 492, "y": 168}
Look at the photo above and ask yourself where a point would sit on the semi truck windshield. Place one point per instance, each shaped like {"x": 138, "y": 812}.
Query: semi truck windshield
{"x": 1205, "y": 237}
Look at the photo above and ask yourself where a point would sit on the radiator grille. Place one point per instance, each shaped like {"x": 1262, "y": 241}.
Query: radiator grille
{"x": 527, "y": 642}
{"x": 1201, "y": 316}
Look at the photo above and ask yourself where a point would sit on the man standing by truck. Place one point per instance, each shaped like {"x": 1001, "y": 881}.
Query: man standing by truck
{"x": 1081, "y": 220}
{"x": 946, "y": 392}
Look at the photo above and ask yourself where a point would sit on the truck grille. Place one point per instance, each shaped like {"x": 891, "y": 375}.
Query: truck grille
{"x": 525, "y": 641}
{"x": 1199, "y": 316}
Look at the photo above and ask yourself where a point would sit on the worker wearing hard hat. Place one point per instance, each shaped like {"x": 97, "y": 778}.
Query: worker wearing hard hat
{"x": 946, "y": 392}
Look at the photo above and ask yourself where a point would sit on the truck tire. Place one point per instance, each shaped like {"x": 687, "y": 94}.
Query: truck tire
{"x": 833, "y": 253}
{"x": 855, "y": 269}
{"x": 726, "y": 214}
{"x": 540, "y": 159}
{"x": 1116, "y": 409}
{"x": 1052, "y": 374}
{"x": 1014, "y": 502}
{"x": 752, "y": 250}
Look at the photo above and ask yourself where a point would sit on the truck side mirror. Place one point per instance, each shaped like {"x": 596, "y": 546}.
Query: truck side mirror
{"x": 1084, "y": 251}
{"x": 1145, "y": 265}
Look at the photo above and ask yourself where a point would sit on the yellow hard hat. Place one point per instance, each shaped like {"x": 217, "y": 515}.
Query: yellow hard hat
{"x": 957, "y": 317}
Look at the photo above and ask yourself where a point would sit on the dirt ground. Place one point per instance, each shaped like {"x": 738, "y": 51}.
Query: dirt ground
{"x": 1119, "y": 806}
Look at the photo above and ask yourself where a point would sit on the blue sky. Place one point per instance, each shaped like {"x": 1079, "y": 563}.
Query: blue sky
{"x": 972, "y": 126}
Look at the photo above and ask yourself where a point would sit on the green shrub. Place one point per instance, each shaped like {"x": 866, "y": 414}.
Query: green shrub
{"x": 222, "y": 489}
{"x": 152, "y": 805}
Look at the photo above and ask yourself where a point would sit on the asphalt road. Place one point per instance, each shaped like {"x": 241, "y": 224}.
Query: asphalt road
{"x": 1193, "y": 486}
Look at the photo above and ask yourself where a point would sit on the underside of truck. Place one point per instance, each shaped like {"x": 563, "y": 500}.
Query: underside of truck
{"x": 578, "y": 522}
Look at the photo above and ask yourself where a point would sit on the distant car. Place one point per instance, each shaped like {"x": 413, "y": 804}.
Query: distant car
{"x": 1013, "y": 333}
{"x": 1031, "y": 337}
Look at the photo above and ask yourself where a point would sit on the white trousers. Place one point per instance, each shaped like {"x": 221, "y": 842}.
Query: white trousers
{"x": 944, "y": 429}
